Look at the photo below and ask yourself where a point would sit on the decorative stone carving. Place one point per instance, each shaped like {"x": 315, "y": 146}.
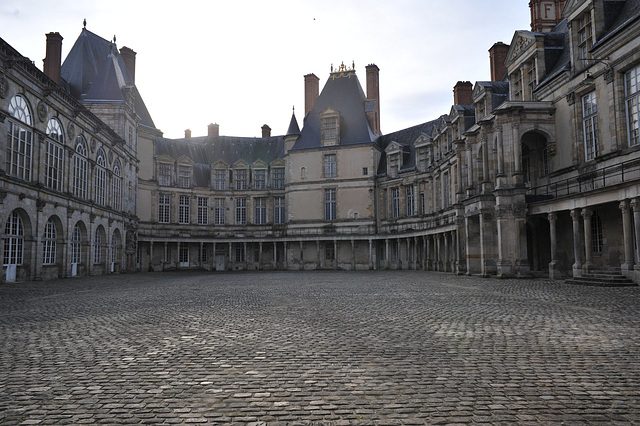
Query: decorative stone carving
{"x": 571, "y": 98}
{"x": 71, "y": 131}
{"x": 41, "y": 111}
{"x": 552, "y": 148}
{"x": 608, "y": 75}
{"x": 4, "y": 87}
{"x": 40, "y": 204}
{"x": 3, "y": 195}
{"x": 93, "y": 144}
{"x": 519, "y": 209}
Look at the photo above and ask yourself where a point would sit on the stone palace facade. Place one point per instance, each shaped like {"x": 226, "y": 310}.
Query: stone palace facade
{"x": 534, "y": 172}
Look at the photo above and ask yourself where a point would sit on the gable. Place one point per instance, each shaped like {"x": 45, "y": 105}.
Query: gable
{"x": 521, "y": 41}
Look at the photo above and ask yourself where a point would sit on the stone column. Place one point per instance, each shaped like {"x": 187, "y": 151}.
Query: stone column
{"x": 151, "y": 256}
{"x": 335, "y": 254}
{"x": 285, "y": 249}
{"x": 635, "y": 205}
{"x": 213, "y": 256}
{"x": 415, "y": 253}
{"x": 231, "y": 256}
{"x": 371, "y": 262}
{"x": 438, "y": 250}
{"x": 301, "y": 255}
{"x": 275, "y": 256}
{"x": 554, "y": 273}
{"x": 353, "y": 255}
{"x": 318, "y": 258}
{"x": 386, "y": 254}
{"x": 577, "y": 265}
{"x": 424, "y": 252}
{"x": 627, "y": 231}
{"x": 244, "y": 247}
{"x": 446, "y": 252}
{"x": 259, "y": 256}
{"x": 587, "y": 213}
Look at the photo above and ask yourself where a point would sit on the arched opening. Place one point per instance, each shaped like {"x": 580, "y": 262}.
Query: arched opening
{"x": 17, "y": 246}
{"x": 535, "y": 158}
{"x": 538, "y": 245}
{"x": 116, "y": 249}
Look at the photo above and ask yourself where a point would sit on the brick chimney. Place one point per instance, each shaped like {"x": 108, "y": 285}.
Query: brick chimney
{"x": 545, "y": 14}
{"x": 311, "y": 92}
{"x": 497, "y": 56}
{"x": 373, "y": 94}
{"x": 463, "y": 93}
{"x": 187, "y": 133}
{"x": 266, "y": 131}
{"x": 53, "y": 59}
{"x": 129, "y": 58}
{"x": 213, "y": 129}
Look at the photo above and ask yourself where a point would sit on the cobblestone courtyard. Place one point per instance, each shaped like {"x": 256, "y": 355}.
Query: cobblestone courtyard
{"x": 328, "y": 347}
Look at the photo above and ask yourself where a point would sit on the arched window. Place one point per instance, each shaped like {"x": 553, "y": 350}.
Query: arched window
{"x": 49, "y": 243}
{"x": 76, "y": 247}
{"x": 55, "y": 155}
{"x": 14, "y": 241}
{"x": 19, "y": 139}
{"x": 116, "y": 187}
{"x": 97, "y": 245}
{"x": 115, "y": 246}
{"x": 100, "y": 178}
{"x": 80, "y": 168}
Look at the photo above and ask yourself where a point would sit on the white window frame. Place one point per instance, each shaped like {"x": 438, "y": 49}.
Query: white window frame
{"x": 219, "y": 211}
{"x": 19, "y": 139}
{"x": 330, "y": 204}
{"x": 260, "y": 211}
{"x": 632, "y": 104}
{"x": 164, "y": 208}
{"x": 278, "y": 210}
{"x": 184, "y": 210}
{"x": 590, "y": 125}
{"x": 203, "y": 211}
{"x": 241, "y": 211}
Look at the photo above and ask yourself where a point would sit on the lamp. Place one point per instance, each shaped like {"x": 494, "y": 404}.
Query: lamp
{"x": 590, "y": 79}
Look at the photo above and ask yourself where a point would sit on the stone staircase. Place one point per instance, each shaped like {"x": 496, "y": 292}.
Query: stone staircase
{"x": 608, "y": 278}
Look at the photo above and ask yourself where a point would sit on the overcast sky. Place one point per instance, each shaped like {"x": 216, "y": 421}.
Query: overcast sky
{"x": 241, "y": 63}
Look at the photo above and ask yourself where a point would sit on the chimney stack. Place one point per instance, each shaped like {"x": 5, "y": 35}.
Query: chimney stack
{"x": 463, "y": 93}
{"x": 214, "y": 129}
{"x": 266, "y": 131}
{"x": 53, "y": 59}
{"x": 187, "y": 133}
{"x": 497, "y": 56}
{"x": 129, "y": 58}
{"x": 545, "y": 15}
{"x": 373, "y": 94}
{"x": 311, "y": 92}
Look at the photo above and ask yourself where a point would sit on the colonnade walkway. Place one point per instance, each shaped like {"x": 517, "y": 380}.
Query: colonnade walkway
{"x": 348, "y": 347}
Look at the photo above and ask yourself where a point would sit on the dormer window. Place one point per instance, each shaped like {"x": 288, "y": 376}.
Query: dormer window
{"x": 585, "y": 35}
{"x": 219, "y": 179}
{"x": 164, "y": 174}
{"x": 393, "y": 165}
{"x": 241, "y": 179}
{"x": 184, "y": 176}
{"x": 330, "y": 127}
{"x": 260, "y": 179}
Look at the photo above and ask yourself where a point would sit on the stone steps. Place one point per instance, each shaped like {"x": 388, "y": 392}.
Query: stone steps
{"x": 602, "y": 279}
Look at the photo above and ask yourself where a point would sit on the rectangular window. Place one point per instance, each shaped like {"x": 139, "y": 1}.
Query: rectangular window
{"x": 423, "y": 206}
{"x": 277, "y": 178}
{"x": 395, "y": 202}
{"x": 100, "y": 182}
{"x": 533, "y": 80}
{"x": 183, "y": 253}
{"x": 241, "y": 211}
{"x": 240, "y": 254}
{"x": 79, "y": 176}
{"x": 241, "y": 179}
{"x": 219, "y": 211}
{"x": 164, "y": 174}
{"x": 330, "y": 204}
{"x": 446, "y": 190}
{"x": 422, "y": 160}
{"x": 585, "y": 36}
{"x": 260, "y": 211}
{"x": 116, "y": 188}
{"x": 260, "y": 179}
{"x": 203, "y": 254}
{"x": 184, "y": 176}
{"x": 219, "y": 179}
{"x": 590, "y": 125}
{"x": 632, "y": 92}
{"x": 278, "y": 210}
{"x": 49, "y": 244}
{"x": 411, "y": 202}
{"x": 203, "y": 211}
{"x": 365, "y": 171}
{"x": 330, "y": 170}
{"x": 183, "y": 209}
{"x": 164, "y": 209}
{"x": 19, "y": 150}
{"x": 393, "y": 165}
{"x": 330, "y": 131}
{"x": 55, "y": 166}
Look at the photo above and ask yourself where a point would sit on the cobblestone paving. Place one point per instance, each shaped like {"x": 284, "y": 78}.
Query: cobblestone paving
{"x": 318, "y": 347}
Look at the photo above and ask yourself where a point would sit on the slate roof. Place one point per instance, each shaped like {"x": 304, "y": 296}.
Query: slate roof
{"x": 344, "y": 94}
{"x": 499, "y": 91}
{"x": 406, "y": 138}
{"x": 619, "y": 14}
{"x": 293, "y": 129}
{"x": 205, "y": 150}
{"x": 95, "y": 70}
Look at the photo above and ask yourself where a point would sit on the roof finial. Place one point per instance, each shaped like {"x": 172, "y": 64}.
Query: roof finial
{"x": 294, "y": 109}
{"x": 84, "y": 23}
{"x": 114, "y": 39}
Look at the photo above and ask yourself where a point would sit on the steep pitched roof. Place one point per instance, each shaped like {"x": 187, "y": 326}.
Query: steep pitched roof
{"x": 343, "y": 93}
{"x": 95, "y": 70}
{"x": 204, "y": 151}
{"x": 406, "y": 138}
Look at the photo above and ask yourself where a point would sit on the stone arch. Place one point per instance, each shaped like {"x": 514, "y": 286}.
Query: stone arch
{"x": 534, "y": 148}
